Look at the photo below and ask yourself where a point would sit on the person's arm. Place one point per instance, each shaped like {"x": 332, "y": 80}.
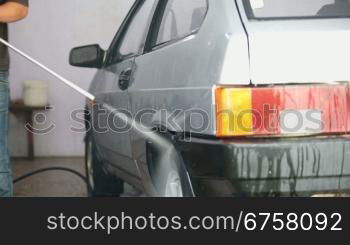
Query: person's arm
{"x": 12, "y": 11}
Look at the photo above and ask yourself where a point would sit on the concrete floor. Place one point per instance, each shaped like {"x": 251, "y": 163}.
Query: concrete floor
{"x": 55, "y": 183}
{"x": 49, "y": 184}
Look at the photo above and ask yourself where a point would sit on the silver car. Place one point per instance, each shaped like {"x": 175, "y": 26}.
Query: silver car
{"x": 222, "y": 98}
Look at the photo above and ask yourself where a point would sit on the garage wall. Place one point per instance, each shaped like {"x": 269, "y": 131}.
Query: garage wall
{"x": 51, "y": 30}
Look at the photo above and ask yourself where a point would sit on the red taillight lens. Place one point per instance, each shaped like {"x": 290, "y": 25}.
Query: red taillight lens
{"x": 282, "y": 110}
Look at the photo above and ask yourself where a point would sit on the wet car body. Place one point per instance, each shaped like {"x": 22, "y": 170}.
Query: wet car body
{"x": 294, "y": 63}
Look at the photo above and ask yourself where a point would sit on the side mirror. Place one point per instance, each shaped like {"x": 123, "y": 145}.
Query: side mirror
{"x": 91, "y": 56}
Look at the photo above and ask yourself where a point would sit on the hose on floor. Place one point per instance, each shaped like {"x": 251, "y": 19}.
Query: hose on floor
{"x": 39, "y": 171}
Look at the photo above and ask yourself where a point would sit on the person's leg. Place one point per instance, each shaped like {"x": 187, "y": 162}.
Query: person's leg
{"x": 6, "y": 187}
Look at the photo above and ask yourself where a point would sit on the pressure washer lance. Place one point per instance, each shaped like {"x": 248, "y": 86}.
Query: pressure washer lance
{"x": 59, "y": 77}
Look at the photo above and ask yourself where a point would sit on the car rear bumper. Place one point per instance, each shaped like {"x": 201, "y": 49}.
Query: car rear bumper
{"x": 269, "y": 167}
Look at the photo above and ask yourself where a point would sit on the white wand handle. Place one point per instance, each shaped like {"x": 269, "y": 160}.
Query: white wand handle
{"x": 59, "y": 77}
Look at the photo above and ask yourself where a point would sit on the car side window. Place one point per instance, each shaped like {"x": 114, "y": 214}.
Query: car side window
{"x": 134, "y": 36}
{"x": 180, "y": 19}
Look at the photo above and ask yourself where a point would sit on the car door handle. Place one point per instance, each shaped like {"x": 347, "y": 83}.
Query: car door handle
{"x": 124, "y": 79}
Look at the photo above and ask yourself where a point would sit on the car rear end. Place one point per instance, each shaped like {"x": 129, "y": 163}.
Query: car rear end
{"x": 288, "y": 132}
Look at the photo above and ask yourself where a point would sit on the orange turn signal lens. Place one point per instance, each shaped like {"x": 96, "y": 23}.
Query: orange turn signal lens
{"x": 234, "y": 115}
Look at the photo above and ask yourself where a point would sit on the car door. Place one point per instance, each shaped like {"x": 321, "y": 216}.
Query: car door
{"x": 112, "y": 131}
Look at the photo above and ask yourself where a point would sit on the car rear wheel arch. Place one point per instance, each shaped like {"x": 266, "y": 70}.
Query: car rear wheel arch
{"x": 166, "y": 164}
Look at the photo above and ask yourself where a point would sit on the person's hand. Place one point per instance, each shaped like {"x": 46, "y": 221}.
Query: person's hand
{"x": 12, "y": 11}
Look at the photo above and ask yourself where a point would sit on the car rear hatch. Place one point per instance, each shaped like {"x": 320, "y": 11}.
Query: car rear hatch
{"x": 304, "y": 49}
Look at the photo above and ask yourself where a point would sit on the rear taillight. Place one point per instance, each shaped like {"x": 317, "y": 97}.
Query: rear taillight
{"x": 287, "y": 110}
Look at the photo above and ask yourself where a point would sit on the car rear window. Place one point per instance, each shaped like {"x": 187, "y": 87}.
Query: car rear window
{"x": 289, "y": 9}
